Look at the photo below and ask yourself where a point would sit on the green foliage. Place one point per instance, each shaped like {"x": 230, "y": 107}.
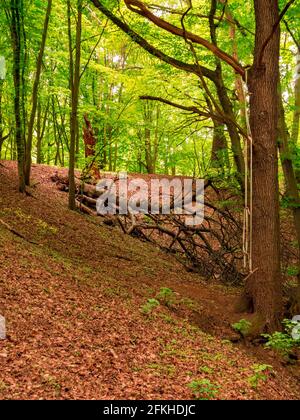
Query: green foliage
{"x": 204, "y": 389}
{"x": 283, "y": 342}
{"x": 206, "y": 369}
{"x": 166, "y": 296}
{"x": 148, "y": 308}
{"x": 292, "y": 271}
{"x": 243, "y": 326}
{"x": 261, "y": 373}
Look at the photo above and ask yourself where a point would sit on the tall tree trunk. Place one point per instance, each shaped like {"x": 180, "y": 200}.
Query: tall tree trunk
{"x": 238, "y": 80}
{"x": 225, "y": 102}
{"x": 90, "y": 142}
{"x": 16, "y": 35}
{"x": 75, "y": 85}
{"x": 38, "y": 134}
{"x": 34, "y": 98}
{"x": 232, "y": 130}
{"x": 219, "y": 153}
{"x": 292, "y": 191}
{"x": 263, "y": 287}
{"x": 1, "y": 118}
{"x": 148, "y": 151}
{"x": 296, "y": 118}
{"x": 41, "y": 127}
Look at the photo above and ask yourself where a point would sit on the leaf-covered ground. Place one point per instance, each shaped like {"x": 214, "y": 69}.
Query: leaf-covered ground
{"x": 72, "y": 291}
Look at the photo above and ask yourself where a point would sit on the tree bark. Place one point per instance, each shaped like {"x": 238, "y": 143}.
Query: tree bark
{"x": 296, "y": 117}
{"x": 219, "y": 153}
{"x": 90, "y": 142}
{"x": 292, "y": 191}
{"x": 16, "y": 36}
{"x": 34, "y": 98}
{"x": 75, "y": 85}
{"x": 263, "y": 287}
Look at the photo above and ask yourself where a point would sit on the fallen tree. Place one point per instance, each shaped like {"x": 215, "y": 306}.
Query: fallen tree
{"x": 213, "y": 249}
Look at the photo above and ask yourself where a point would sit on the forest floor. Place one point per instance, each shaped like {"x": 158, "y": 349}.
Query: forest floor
{"x": 72, "y": 291}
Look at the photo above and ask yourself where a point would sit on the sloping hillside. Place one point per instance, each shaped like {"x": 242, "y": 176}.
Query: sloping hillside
{"x": 74, "y": 291}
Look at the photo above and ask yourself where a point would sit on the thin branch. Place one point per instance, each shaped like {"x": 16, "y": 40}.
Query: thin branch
{"x": 191, "y": 109}
{"x": 292, "y": 35}
{"x": 93, "y": 50}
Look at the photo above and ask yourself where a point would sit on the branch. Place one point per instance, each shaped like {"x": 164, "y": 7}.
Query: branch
{"x": 138, "y": 7}
{"x": 169, "y": 10}
{"x": 2, "y": 140}
{"x": 192, "y": 109}
{"x": 190, "y": 68}
{"x": 297, "y": 43}
{"x": 92, "y": 52}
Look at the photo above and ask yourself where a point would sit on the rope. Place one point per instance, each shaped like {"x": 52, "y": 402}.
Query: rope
{"x": 248, "y": 207}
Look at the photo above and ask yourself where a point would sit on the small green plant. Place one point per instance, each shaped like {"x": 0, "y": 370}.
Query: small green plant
{"x": 160, "y": 369}
{"x": 206, "y": 369}
{"x": 260, "y": 373}
{"x": 166, "y": 296}
{"x": 44, "y": 227}
{"x": 52, "y": 382}
{"x": 204, "y": 389}
{"x": 292, "y": 271}
{"x": 189, "y": 303}
{"x": 243, "y": 326}
{"x": 150, "y": 306}
{"x": 279, "y": 341}
{"x": 285, "y": 341}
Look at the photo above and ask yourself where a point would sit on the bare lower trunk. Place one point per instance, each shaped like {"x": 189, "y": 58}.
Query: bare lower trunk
{"x": 219, "y": 153}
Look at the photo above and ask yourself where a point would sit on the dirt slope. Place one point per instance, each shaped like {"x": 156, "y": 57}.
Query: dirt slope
{"x": 72, "y": 290}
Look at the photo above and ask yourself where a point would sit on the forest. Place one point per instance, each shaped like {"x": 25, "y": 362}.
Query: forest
{"x": 146, "y": 304}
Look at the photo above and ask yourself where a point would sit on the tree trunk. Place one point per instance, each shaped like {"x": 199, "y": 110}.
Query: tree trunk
{"x": 225, "y": 102}
{"x": 148, "y": 151}
{"x": 292, "y": 192}
{"x": 296, "y": 118}
{"x": 1, "y": 118}
{"x": 16, "y": 36}
{"x": 219, "y": 153}
{"x": 41, "y": 127}
{"x": 34, "y": 98}
{"x": 90, "y": 142}
{"x": 75, "y": 84}
{"x": 263, "y": 287}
